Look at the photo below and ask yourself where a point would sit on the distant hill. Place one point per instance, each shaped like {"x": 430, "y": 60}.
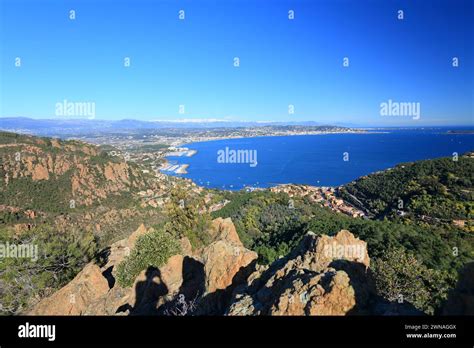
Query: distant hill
{"x": 434, "y": 191}
{"x": 46, "y": 174}
{"x": 70, "y": 183}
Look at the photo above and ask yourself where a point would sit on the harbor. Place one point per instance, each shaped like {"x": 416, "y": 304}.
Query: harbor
{"x": 173, "y": 167}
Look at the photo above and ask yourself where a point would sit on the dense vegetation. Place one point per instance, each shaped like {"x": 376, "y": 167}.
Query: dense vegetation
{"x": 52, "y": 195}
{"x": 400, "y": 277}
{"x": 262, "y": 226}
{"x": 266, "y": 222}
{"x": 434, "y": 190}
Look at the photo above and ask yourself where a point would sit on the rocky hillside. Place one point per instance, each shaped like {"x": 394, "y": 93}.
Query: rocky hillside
{"x": 69, "y": 199}
{"x": 70, "y": 184}
{"x": 322, "y": 276}
{"x": 72, "y": 173}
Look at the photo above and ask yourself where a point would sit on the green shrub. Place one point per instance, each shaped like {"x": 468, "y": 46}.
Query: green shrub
{"x": 151, "y": 250}
{"x": 399, "y": 275}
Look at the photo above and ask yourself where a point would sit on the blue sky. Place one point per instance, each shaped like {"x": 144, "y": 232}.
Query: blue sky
{"x": 282, "y": 61}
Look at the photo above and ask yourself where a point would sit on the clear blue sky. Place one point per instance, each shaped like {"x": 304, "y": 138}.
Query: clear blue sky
{"x": 283, "y": 62}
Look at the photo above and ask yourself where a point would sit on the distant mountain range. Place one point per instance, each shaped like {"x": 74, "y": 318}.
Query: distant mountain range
{"x": 81, "y": 126}
{"x": 76, "y": 127}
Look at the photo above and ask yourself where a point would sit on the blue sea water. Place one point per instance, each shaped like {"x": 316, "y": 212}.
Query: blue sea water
{"x": 317, "y": 159}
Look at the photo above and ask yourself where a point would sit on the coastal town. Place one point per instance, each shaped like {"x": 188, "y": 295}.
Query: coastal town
{"x": 325, "y": 196}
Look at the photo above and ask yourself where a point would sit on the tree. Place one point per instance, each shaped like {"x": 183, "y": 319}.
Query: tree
{"x": 187, "y": 217}
{"x": 400, "y": 276}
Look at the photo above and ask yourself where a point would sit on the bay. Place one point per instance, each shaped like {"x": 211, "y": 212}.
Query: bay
{"x": 320, "y": 160}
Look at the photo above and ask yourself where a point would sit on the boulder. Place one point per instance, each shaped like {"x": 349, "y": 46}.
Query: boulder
{"x": 73, "y": 299}
{"x": 223, "y": 260}
{"x": 115, "y": 302}
{"x": 318, "y": 253}
{"x": 328, "y": 293}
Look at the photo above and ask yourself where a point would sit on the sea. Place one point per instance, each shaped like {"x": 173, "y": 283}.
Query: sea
{"x": 319, "y": 160}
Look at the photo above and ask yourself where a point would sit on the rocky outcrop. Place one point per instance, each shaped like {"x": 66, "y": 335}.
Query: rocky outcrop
{"x": 224, "y": 229}
{"x": 206, "y": 276}
{"x": 85, "y": 174}
{"x": 225, "y": 256}
{"x": 75, "y": 297}
{"x": 323, "y": 276}
{"x": 222, "y": 261}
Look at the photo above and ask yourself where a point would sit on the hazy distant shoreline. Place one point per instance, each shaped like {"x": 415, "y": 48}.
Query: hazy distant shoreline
{"x": 275, "y": 135}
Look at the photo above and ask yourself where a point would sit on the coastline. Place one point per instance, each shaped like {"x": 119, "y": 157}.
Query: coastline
{"x": 202, "y": 140}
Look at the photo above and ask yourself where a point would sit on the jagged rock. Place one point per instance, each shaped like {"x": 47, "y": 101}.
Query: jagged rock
{"x": 322, "y": 276}
{"x": 186, "y": 247}
{"x": 315, "y": 279}
{"x": 151, "y": 289}
{"x": 39, "y": 172}
{"x": 132, "y": 239}
{"x": 116, "y": 301}
{"x": 224, "y": 229}
{"x": 319, "y": 253}
{"x": 74, "y": 298}
{"x": 328, "y": 293}
{"x": 209, "y": 275}
{"x": 222, "y": 261}
{"x": 171, "y": 274}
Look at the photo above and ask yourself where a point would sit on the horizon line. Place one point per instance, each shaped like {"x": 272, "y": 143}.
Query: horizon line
{"x": 217, "y": 120}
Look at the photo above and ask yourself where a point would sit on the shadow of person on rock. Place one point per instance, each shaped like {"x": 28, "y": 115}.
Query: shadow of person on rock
{"x": 217, "y": 302}
{"x": 190, "y": 292}
{"x": 193, "y": 278}
{"x": 148, "y": 293}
